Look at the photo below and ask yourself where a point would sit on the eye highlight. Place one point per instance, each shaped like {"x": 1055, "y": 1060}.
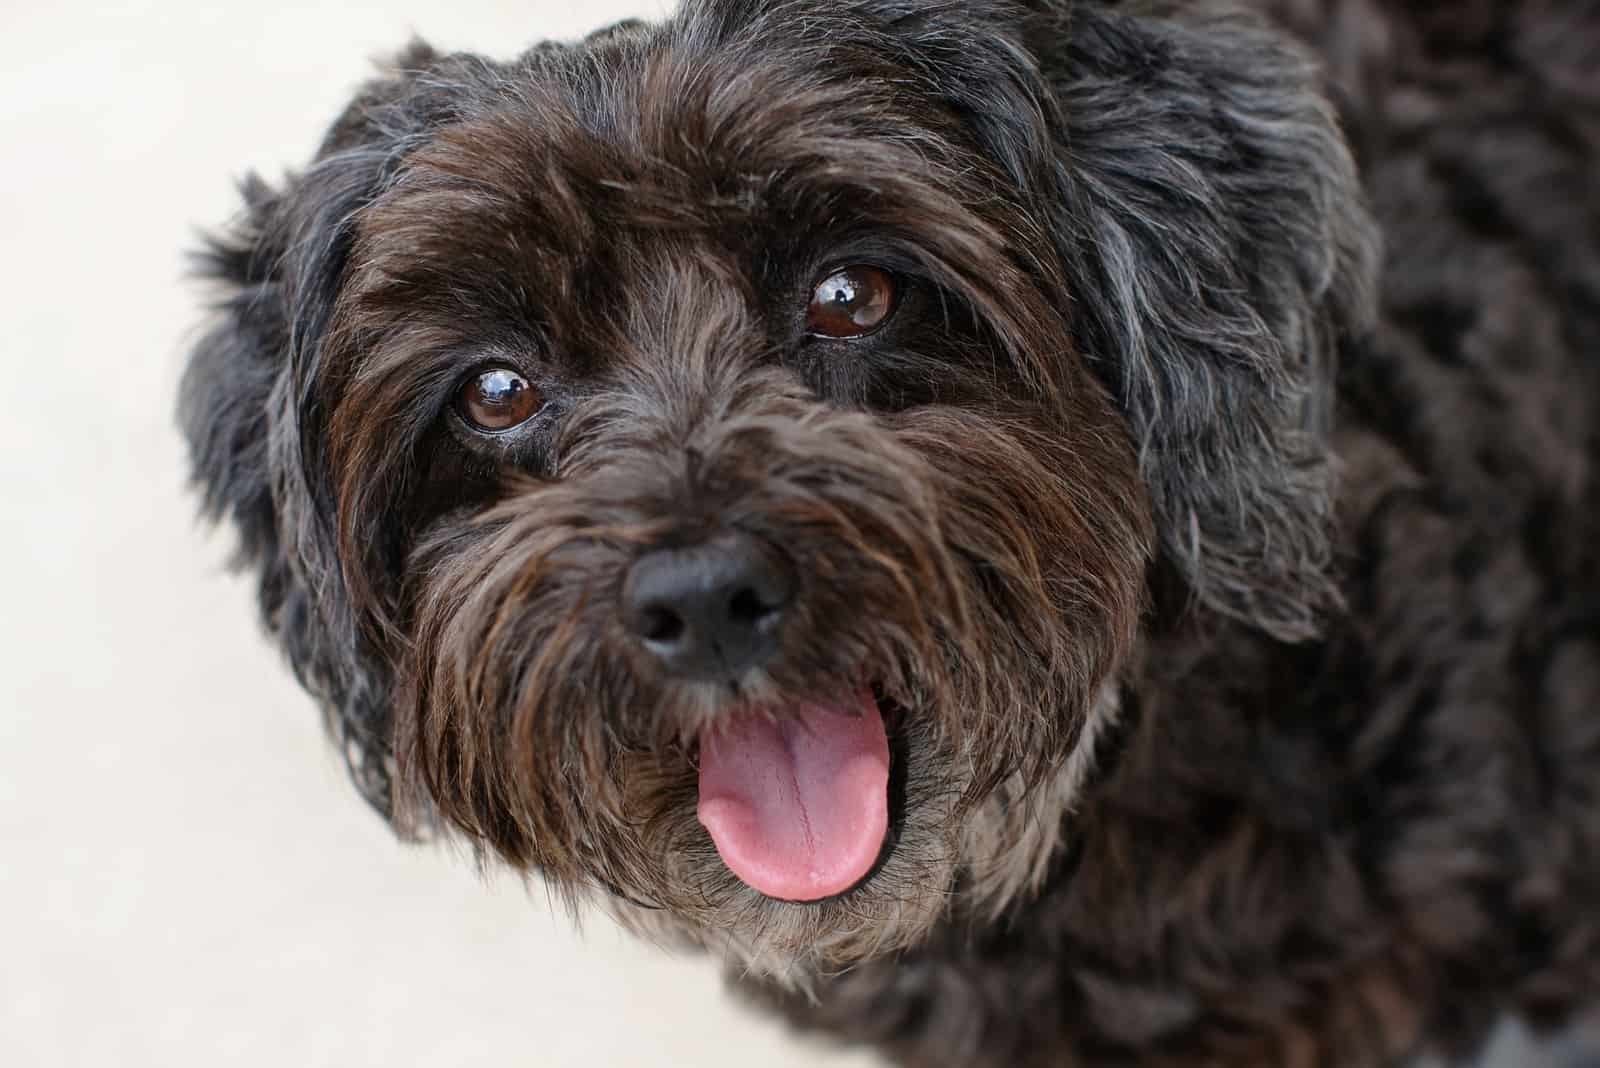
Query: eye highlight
{"x": 497, "y": 399}
{"x": 851, "y": 302}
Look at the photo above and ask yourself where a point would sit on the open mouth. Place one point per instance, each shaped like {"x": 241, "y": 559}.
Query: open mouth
{"x": 799, "y": 806}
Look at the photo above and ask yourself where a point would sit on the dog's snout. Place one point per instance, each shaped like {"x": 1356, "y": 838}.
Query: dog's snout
{"x": 709, "y": 611}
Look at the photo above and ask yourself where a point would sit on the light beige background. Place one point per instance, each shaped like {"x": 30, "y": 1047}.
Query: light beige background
{"x": 185, "y": 877}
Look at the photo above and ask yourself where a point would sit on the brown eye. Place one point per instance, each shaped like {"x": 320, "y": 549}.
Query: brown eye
{"x": 498, "y": 399}
{"x": 851, "y": 302}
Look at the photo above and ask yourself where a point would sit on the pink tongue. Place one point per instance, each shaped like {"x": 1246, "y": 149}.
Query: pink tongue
{"x": 798, "y": 806}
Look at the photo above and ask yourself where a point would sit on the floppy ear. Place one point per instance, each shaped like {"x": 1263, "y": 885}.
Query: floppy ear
{"x": 249, "y": 402}
{"x": 1213, "y": 226}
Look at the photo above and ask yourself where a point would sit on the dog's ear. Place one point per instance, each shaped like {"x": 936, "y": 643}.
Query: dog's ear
{"x": 249, "y": 402}
{"x": 1211, "y": 224}
{"x": 1214, "y": 230}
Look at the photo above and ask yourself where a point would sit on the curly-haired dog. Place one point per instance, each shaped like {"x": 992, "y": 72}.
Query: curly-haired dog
{"x": 946, "y": 506}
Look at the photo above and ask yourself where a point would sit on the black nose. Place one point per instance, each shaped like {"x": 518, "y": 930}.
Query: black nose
{"x": 710, "y": 611}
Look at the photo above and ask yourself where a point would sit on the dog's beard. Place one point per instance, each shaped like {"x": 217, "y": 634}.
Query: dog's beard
{"x": 975, "y": 575}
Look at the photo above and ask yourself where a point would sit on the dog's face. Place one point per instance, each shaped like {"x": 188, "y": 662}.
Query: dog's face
{"x": 719, "y": 465}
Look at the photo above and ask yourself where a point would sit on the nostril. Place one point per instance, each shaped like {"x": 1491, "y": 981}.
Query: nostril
{"x": 747, "y": 607}
{"x": 659, "y": 623}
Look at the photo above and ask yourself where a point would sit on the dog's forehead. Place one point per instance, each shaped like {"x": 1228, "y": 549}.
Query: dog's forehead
{"x": 666, "y": 131}
{"x": 597, "y": 171}
{"x": 753, "y": 92}
{"x": 688, "y": 142}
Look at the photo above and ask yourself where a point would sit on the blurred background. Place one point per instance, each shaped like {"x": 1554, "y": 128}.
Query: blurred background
{"x": 185, "y": 876}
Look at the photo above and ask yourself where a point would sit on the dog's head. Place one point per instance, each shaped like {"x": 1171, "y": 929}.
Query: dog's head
{"x": 721, "y": 464}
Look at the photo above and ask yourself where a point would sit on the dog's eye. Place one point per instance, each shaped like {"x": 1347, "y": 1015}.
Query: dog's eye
{"x": 497, "y": 399}
{"x": 851, "y": 302}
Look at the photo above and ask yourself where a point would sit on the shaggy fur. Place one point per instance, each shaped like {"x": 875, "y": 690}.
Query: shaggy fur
{"x": 1233, "y": 597}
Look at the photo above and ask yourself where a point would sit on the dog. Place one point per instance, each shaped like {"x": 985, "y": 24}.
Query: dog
{"x": 1040, "y": 533}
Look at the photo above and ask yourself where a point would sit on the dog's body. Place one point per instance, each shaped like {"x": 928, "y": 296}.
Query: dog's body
{"x": 1223, "y": 611}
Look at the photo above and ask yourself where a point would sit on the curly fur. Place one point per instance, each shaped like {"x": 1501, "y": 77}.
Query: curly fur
{"x": 1231, "y": 577}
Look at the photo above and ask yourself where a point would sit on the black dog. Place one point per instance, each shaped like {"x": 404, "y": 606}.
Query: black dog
{"x": 934, "y": 502}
